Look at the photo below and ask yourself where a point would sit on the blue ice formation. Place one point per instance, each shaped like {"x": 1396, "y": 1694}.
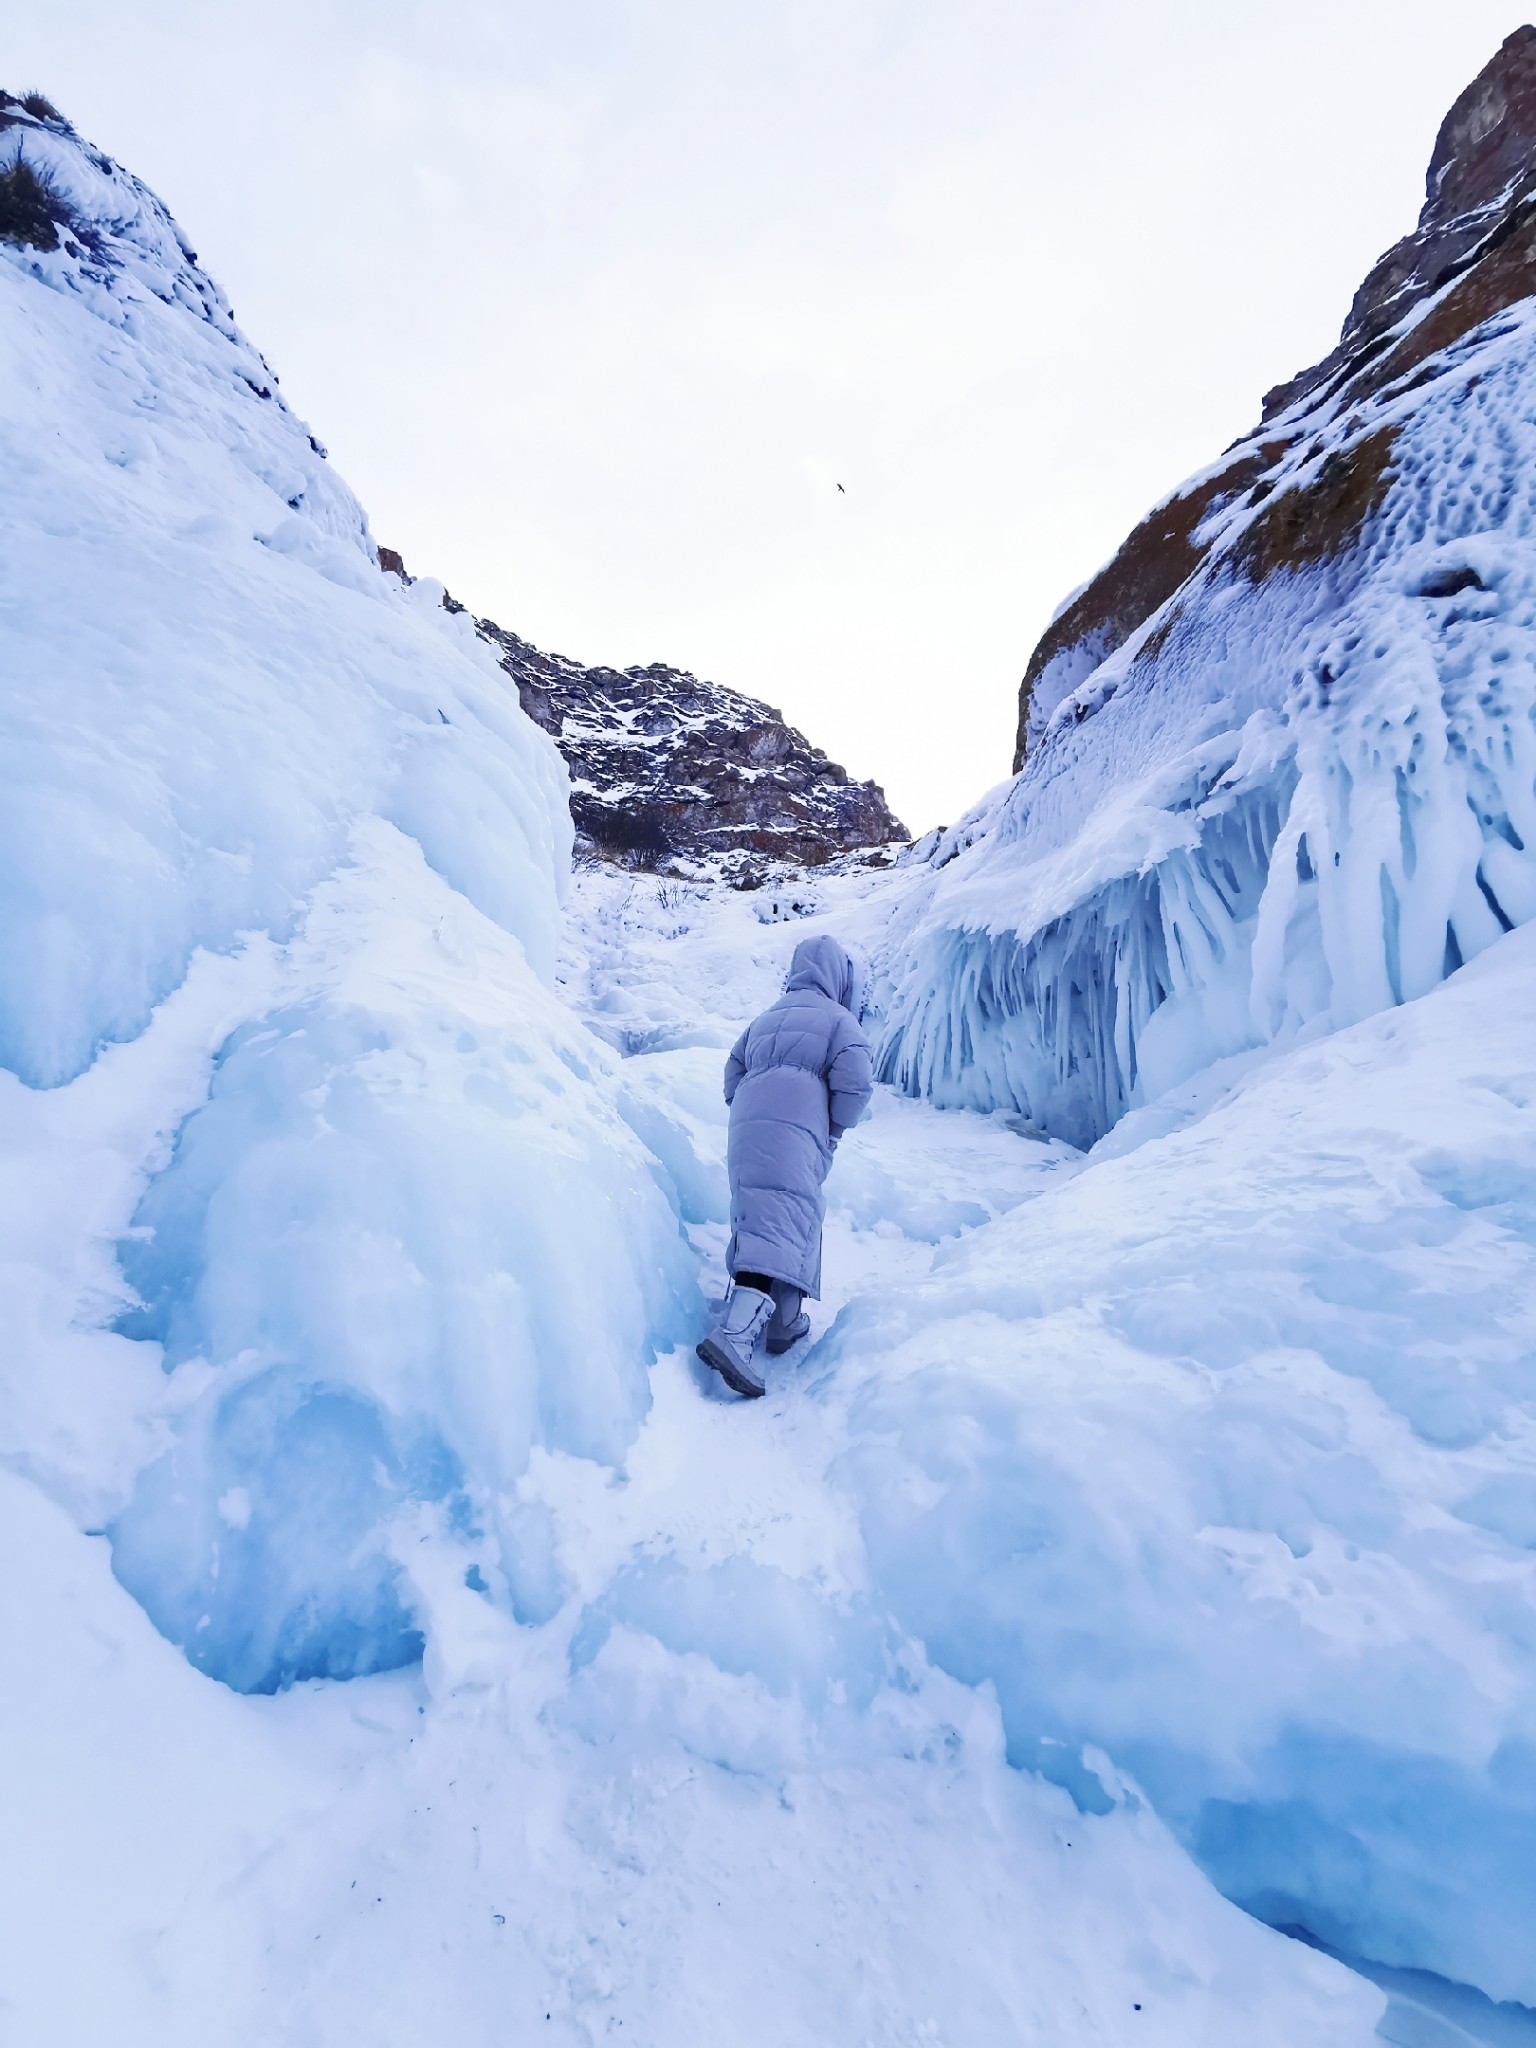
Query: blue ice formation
{"x": 258, "y": 1543}
{"x": 1311, "y": 798}
{"x": 413, "y": 1251}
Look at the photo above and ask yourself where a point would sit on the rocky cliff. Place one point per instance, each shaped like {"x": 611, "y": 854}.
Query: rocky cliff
{"x": 667, "y": 770}
{"x": 1303, "y": 485}
{"x": 1278, "y": 759}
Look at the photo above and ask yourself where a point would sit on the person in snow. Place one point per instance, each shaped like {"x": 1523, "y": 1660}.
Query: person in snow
{"x": 798, "y": 1077}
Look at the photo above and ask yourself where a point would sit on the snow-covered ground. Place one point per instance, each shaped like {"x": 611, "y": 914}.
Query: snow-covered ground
{"x": 1084, "y": 1467}
{"x": 406, "y": 1641}
{"x": 719, "y": 1791}
{"x": 1214, "y": 1450}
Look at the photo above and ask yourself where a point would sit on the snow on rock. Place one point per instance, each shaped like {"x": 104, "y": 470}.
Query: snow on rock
{"x": 673, "y": 773}
{"x": 283, "y": 861}
{"x": 670, "y": 771}
{"x": 1477, "y": 195}
{"x": 1282, "y": 751}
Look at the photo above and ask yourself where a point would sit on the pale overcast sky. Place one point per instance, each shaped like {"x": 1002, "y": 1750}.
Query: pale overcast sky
{"x": 596, "y": 303}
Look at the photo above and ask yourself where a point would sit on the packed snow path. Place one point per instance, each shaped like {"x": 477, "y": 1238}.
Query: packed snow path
{"x": 716, "y": 1794}
{"x": 718, "y": 1790}
{"x": 1220, "y": 1455}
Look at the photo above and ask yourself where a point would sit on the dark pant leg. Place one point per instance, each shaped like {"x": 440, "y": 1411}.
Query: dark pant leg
{"x": 786, "y": 1304}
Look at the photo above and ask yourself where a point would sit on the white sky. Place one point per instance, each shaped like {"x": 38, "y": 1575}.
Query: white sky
{"x": 595, "y": 303}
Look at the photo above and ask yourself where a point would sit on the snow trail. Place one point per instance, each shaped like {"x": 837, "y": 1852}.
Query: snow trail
{"x": 1121, "y": 1447}
{"x": 715, "y": 1794}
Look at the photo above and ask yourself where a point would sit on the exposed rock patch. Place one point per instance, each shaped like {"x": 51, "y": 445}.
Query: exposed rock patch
{"x": 1504, "y": 274}
{"x": 667, "y": 770}
{"x": 1481, "y": 177}
{"x": 32, "y": 213}
{"x": 1306, "y": 485}
{"x": 1159, "y": 556}
{"x": 1321, "y": 517}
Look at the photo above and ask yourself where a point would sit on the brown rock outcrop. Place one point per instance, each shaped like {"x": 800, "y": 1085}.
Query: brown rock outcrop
{"x": 1481, "y": 180}
{"x": 668, "y": 770}
{"x": 1305, "y": 485}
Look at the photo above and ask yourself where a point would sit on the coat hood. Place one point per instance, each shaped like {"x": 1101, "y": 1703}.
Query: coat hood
{"x": 822, "y": 964}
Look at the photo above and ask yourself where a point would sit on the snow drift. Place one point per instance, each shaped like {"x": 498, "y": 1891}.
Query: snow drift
{"x": 1220, "y": 1458}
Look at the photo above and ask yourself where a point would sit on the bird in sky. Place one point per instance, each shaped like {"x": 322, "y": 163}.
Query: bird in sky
{"x": 841, "y": 489}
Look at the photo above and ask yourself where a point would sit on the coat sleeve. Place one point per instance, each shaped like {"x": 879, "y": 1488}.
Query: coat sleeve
{"x": 850, "y": 1079}
{"x": 735, "y": 1067}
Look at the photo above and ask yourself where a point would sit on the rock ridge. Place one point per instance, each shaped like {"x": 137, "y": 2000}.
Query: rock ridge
{"x": 669, "y": 771}
{"x": 1303, "y": 487}
{"x": 1481, "y": 176}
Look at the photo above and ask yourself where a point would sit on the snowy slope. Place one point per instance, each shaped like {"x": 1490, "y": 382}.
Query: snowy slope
{"x": 1245, "y": 1417}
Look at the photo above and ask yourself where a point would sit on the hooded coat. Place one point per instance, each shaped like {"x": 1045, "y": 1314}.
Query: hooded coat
{"x": 798, "y": 1077}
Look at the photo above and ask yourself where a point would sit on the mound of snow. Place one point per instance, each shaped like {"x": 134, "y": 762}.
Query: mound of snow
{"x": 1221, "y": 1456}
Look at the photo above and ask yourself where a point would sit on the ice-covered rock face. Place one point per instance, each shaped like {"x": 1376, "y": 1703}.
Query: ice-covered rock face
{"x": 1281, "y": 752}
{"x": 282, "y": 864}
{"x": 181, "y": 551}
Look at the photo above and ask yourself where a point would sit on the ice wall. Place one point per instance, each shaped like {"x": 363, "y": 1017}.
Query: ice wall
{"x": 1306, "y": 790}
{"x": 207, "y": 677}
{"x": 390, "y": 1231}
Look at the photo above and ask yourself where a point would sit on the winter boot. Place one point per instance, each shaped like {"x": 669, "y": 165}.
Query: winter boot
{"x": 730, "y": 1344}
{"x": 788, "y": 1325}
